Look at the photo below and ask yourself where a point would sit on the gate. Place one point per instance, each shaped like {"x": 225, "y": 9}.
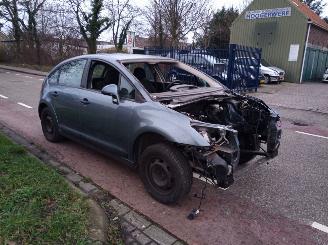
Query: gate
{"x": 236, "y": 67}
{"x": 315, "y": 64}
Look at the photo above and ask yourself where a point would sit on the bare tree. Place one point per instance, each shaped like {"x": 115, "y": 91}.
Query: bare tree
{"x": 32, "y": 8}
{"x": 10, "y": 13}
{"x": 91, "y": 23}
{"x": 177, "y": 18}
{"x": 60, "y": 31}
{"x": 122, "y": 15}
{"x": 155, "y": 18}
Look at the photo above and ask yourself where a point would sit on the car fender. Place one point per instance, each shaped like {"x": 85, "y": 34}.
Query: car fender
{"x": 171, "y": 125}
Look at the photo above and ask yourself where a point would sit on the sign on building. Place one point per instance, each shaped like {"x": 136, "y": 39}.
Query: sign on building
{"x": 130, "y": 40}
{"x": 268, "y": 13}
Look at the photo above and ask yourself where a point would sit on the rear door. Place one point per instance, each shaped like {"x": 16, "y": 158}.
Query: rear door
{"x": 66, "y": 95}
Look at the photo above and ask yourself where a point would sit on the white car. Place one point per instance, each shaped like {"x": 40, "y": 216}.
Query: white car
{"x": 270, "y": 73}
{"x": 325, "y": 76}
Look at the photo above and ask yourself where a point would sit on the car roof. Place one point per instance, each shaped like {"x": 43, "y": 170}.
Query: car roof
{"x": 120, "y": 57}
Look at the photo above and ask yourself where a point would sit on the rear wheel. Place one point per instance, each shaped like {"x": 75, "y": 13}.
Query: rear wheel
{"x": 165, "y": 172}
{"x": 50, "y": 126}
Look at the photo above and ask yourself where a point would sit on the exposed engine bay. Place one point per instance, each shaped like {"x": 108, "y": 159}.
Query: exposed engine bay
{"x": 236, "y": 127}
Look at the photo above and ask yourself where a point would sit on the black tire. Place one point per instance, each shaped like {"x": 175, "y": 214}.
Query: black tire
{"x": 267, "y": 79}
{"x": 50, "y": 126}
{"x": 165, "y": 172}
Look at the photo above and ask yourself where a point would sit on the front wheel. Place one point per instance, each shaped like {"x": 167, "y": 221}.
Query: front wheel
{"x": 165, "y": 172}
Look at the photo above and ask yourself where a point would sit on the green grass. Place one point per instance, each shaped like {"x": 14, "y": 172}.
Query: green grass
{"x": 36, "y": 204}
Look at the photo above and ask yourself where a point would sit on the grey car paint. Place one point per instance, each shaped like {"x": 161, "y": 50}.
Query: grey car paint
{"x": 133, "y": 118}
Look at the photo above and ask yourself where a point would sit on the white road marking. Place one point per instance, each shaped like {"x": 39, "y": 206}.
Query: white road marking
{"x": 22, "y": 104}
{"x": 314, "y": 135}
{"x": 320, "y": 227}
{"x": 17, "y": 74}
{"x": 4, "y": 97}
{"x": 7, "y": 72}
{"x": 28, "y": 77}
{"x": 41, "y": 79}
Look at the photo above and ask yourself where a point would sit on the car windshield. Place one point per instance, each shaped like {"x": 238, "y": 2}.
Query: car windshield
{"x": 265, "y": 63}
{"x": 170, "y": 77}
{"x": 326, "y": 71}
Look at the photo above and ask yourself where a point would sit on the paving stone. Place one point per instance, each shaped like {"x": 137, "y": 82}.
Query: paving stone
{"x": 178, "y": 243}
{"x": 140, "y": 237}
{"x": 87, "y": 187}
{"x": 54, "y": 163}
{"x": 127, "y": 227}
{"x": 64, "y": 170}
{"x": 120, "y": 208}
{"x": 74, "y": 178}
{"x": 159, "y": 235}
{"x": 136, "y": 220}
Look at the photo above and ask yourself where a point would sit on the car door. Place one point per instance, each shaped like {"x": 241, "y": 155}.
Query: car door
{"x": 66, "y": 95}
{"x": 99, "y": 116}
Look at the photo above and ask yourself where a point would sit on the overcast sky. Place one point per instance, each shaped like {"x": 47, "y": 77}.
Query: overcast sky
{"x": 220, "y": 3}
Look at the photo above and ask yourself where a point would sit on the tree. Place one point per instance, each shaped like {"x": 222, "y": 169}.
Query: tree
{"x": 10, "y": 13}
{"x": 217, "y": 32}
{"x": 121, "y": 14}
{"x": 154, "y": 17}
{"x": 316, "y": 5}
{"x": 91, "y": 24}
{"x": 177, "y": 18}
{"x": 32, "y": 8}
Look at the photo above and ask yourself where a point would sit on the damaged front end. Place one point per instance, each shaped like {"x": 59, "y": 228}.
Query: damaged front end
{"x": 237, "y": 128}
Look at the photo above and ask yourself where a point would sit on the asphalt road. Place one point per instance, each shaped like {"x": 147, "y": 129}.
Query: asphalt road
{"x": 275, "y": 203}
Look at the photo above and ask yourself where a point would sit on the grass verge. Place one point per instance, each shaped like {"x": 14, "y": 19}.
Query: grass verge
{"x": 37, "y": 206}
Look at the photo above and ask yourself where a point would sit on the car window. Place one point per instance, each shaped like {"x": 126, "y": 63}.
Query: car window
{"x": 102, "y": 74}
{"x": 53, "y": 78}
{"x": 71, "y": 73}
{"x": 126, "y": 90}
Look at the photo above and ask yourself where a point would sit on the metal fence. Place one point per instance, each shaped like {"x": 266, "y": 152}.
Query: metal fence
{"x": 237, "y": 67}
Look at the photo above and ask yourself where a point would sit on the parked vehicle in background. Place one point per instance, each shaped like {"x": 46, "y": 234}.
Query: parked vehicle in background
{"x": 124, "y": 105}
{"x": 271, "y": 73}
{"x": 277, "y": 76}
{"x": 325, "y": 76}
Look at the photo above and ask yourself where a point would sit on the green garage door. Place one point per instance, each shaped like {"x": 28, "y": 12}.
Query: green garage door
{"x": 316, "y": 62}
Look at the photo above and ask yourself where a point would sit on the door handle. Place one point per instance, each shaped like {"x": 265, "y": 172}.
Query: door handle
{"x": 85, "y": 101}
{"x": 55, "y": 94}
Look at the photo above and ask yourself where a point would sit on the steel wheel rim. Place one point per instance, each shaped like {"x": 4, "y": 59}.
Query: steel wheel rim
{"x": 160, "y": 176}
{"x": 49, "y": 125}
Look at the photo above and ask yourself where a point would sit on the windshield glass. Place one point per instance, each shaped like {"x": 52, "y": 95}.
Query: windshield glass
{"x": 170, "y": 77}
{"x": 326, "y": 71}
{"x": 265, "y": 63}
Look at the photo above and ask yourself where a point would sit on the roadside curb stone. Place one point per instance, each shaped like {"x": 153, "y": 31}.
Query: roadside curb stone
{"x": 136, "y": 220}
{"x": 74, "y": 178}
{"x": 87, "y": 187}
{"x": 135, "y": 228}
{"x": 120, "y": 208}
{"x": 159, "y": 235}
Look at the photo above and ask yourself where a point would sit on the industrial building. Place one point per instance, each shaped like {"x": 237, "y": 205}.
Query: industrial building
{"x": 291, "y": 36}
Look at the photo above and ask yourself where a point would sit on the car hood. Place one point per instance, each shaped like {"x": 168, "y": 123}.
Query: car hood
{"x": 276, "y": 69}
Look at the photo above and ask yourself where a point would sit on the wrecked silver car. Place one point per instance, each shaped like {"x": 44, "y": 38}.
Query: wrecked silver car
{"x": 129, "y": 106}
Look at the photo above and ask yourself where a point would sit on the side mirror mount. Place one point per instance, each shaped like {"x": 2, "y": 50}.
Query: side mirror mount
{"x": 111, "y": 90}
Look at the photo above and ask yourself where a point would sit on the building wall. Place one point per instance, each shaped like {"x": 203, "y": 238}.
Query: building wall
{"x": 274, "y": 35}
{"x": 318, "y": 37}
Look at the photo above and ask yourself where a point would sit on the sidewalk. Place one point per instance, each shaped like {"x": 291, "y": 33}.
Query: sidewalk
{"x": 23, "y": 70}
{"x": 309, "y": 96}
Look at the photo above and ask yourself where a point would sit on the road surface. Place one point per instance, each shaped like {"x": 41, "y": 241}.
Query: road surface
{"x": 283, "y": 202}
